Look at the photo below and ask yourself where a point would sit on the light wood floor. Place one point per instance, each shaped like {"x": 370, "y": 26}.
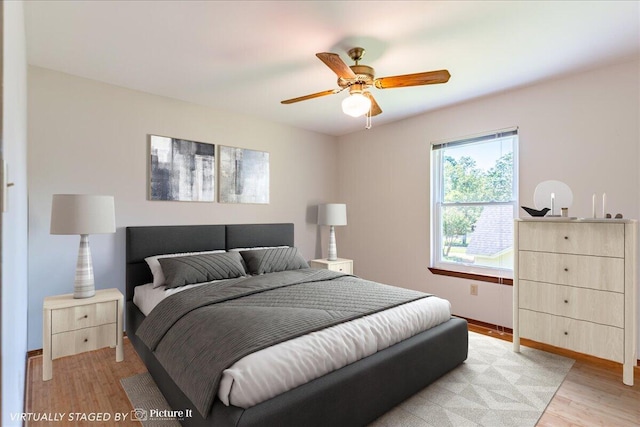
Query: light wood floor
{"x": 591, "y": 395}
{"x": 86, "y": 383}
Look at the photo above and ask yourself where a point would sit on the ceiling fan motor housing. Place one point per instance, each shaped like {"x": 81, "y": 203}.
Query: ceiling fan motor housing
{"x": 364, "y": 75}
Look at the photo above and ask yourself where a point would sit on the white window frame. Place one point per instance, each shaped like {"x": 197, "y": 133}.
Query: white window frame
{"x": 437, "y": 202}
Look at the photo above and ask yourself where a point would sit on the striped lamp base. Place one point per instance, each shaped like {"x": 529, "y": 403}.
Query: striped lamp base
{"x": 84, "y": 286}
{"x": 333, "y": 248}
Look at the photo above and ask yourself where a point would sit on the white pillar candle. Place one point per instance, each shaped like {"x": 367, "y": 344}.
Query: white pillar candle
{"x": 604, "y": 205}
{"x": 553, "y": 201}
{"x": 593, "y": 205}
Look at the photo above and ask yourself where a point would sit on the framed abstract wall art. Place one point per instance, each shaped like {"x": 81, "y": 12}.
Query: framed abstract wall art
{"x": 181, "y": 170}
{"x": 243, "y": 175}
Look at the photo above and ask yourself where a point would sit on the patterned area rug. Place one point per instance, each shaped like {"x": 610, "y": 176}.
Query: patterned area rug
{"x": 495, "y": 387}
{"x": 148, "y": 403}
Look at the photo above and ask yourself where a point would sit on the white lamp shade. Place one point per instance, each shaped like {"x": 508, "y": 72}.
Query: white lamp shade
{"x": 82, "y": 214}
{"x": 356, "y": 105}
{"x": 332, "y": 214}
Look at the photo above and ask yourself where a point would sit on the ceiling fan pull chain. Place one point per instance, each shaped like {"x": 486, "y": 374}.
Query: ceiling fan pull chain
{"x": 368, "y": 120}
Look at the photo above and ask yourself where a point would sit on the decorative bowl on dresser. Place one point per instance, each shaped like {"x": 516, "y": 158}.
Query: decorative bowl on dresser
{"x": 575, "y": 287}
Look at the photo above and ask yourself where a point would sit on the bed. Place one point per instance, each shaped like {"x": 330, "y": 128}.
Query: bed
{"x": 354, "y": 395}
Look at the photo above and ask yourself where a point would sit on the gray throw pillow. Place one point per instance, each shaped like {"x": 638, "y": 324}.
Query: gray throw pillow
{"x": 272, "y": 260}
{"x": 188, "y": 270}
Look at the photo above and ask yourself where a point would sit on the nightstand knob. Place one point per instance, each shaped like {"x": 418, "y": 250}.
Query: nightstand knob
{"x": 566, "y": 301}
{"x": 566, "y": 333}
{"x": 566, "y": 237}
{"x": 85, "y": 316}
{"x": 566, "y": 269}
{"x": 86, "y": 339}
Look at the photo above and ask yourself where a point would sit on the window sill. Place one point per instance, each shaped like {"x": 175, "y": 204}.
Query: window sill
{"x": 472, "y": 276}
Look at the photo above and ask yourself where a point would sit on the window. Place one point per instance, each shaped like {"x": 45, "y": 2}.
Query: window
{"x": 474, "y": 201}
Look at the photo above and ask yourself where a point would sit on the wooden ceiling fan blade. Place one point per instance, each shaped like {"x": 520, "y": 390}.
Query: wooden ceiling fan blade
{"x": 417, "y": 79}
{"x": 375, "y": 108}
{"x": 313, "y": 95}
{"x": 337, "y": 65}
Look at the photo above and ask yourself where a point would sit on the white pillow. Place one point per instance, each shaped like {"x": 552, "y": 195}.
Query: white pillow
{"x": 156, "y": 268}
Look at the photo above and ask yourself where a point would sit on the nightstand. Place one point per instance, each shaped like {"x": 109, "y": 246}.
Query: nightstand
{"x": 75, "y": 325}
{"x": 341, "y": 264}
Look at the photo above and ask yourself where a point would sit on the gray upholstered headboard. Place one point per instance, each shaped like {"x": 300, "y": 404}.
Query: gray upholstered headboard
{"x": 147, "y": 241}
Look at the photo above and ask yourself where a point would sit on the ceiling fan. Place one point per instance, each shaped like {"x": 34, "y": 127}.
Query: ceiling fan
{"x": 358, "y": 78}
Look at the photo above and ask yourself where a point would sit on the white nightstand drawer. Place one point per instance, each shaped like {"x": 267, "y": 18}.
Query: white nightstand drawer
{"x": 573, "y": 238}
{"x": 584, "y": 337}
{"x": 81, "y": 340}
{"x": 602, "y": 307}
{"x": 83, "y": 316}
{"x": 343, "y": 267}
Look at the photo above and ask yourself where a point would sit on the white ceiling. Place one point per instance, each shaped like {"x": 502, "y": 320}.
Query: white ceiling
{"x": 247, "y": 56}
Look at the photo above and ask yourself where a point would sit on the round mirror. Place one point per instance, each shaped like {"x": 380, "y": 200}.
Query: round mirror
{"x": 556, "y": 190}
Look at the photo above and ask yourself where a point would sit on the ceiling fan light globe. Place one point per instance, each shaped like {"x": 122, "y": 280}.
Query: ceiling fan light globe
{"x": 356, "y": 105}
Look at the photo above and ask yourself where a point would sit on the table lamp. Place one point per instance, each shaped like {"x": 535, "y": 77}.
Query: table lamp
{"x": 83, "y": 214}
{"x": 332, "y": 214}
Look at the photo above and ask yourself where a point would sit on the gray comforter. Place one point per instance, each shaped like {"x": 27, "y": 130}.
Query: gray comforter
{"x": 199, "y": 332}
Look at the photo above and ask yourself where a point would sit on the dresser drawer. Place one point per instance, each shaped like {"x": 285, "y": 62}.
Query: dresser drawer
{"x": 576, "y": 270}
{"x": 572, "y": 238}
{"x": 585, "y": 337}
{"x": 602, "y": 307}
{"x": 83, "y": 316}
{"x": 81, "y": 340}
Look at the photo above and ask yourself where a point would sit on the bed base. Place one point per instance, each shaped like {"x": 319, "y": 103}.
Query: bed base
{"x": 352, "y": 396}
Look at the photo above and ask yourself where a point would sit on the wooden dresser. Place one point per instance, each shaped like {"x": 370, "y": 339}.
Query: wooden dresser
{"x": 575, "y": 287}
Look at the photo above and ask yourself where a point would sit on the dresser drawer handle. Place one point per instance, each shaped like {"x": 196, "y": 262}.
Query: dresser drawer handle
{"x": 566, "y": 237}
{"x": 86, "y": 340}
{"x": 566, "y": 333}
{"x": 566, "y": 269}
{"x": 86, "y": 315}
{"x": 566, "y": 301}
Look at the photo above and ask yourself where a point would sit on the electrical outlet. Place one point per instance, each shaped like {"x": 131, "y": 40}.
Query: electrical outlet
{"x": 474, "y": 289}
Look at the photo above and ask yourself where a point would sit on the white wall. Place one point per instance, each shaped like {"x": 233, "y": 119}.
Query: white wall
{"x": 14, "y": 221}
{"x": 582, "y": 129}
{"x": 90, "y": 137}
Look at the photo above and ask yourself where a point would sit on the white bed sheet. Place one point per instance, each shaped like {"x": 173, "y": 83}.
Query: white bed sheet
{"x": 146, "y": 297}
{"x": 282, "y": 367}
